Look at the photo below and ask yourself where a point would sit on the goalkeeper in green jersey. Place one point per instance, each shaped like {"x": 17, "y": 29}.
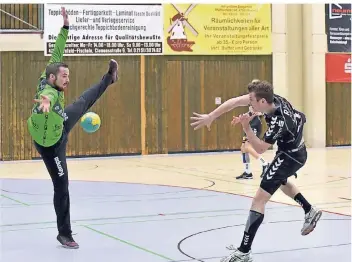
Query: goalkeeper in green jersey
{"x": 51, "y": 122}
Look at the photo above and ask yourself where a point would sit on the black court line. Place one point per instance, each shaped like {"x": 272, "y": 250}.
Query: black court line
{"x": 219, "y": 179}
{"x": 266, "y": 252}
{"x": 344, "y": 198}
{"x": 242, "y": 224}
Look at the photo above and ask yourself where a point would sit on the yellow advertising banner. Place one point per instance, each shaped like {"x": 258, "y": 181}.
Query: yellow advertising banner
{"x": 211, "y": 29}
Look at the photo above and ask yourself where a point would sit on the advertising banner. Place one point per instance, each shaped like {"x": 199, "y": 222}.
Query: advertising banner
{"x": 338, "y": 68}
{"x": 156, "y": 29}
{"x": 338, "y": 27}
{"x": 215, "y": 29}
{"x": 106, "y": 29}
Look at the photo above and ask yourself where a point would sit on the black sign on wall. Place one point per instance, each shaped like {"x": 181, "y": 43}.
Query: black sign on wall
{"x": 338, "y": 27}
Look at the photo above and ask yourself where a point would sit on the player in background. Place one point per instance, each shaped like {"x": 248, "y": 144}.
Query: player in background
{"x": 246, "y": 148}
{"x": 51, "y": 122}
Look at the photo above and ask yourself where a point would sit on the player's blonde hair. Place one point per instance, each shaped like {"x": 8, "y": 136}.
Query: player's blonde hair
{"x": 265, "y": 90}
{"x": 252, "y": 84}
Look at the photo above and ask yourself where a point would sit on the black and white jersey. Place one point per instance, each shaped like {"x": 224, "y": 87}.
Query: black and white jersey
{"x": 256, "y": 122}
{"x": 285, "y": 125}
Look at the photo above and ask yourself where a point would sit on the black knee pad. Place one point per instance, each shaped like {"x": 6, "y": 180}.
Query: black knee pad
{"x": 284, "y": 182}
{"x": 270, "y": 186}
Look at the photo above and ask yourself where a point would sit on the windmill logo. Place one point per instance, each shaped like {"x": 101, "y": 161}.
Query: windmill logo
{"x": 177, "y": 40}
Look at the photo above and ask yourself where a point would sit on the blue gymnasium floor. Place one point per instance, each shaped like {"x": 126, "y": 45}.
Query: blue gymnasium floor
{"x": 134, "y": 222}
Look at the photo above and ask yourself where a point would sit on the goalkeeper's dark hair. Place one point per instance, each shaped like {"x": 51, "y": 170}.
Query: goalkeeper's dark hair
{"x": 54, "y": 68}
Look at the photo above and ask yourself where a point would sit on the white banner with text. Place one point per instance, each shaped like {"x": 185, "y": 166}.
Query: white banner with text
{"x": 126, "y": 29}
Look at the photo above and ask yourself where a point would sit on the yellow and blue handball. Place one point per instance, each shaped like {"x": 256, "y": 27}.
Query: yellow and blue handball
{"x": 90, "y": 122}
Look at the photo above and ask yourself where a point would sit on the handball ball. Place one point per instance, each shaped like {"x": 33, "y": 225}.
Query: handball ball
{"x": 90, "y": 122}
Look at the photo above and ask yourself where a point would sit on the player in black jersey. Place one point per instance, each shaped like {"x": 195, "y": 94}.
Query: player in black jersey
{"x": 285, "y": 126}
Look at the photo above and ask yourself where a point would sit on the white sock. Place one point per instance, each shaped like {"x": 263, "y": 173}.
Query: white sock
{"x": 247, "y": 168}
{"x": 262, "y": 161}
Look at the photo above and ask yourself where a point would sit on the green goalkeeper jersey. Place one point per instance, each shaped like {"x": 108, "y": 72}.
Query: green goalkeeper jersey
{"x": 46, "y": 128}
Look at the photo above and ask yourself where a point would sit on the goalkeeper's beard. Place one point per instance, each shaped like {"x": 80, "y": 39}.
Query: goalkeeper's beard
{"x": 60, "y": 88}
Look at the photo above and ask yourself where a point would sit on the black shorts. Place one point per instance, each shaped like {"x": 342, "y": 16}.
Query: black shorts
{"x": 284, "y": 165}
{"x": 257, "y": 129}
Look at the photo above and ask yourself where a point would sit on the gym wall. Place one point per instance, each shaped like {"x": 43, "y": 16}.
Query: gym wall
{"x": 148, "y": 111}
{"x": 174, "y": 88}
